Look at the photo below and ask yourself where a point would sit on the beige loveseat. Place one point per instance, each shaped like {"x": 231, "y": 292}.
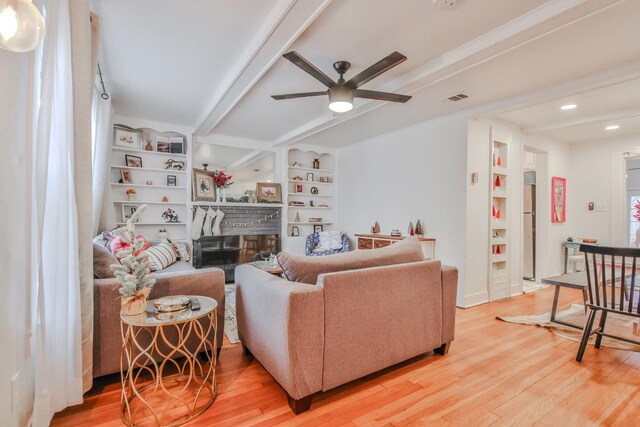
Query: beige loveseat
{"x": 346, "y": 324}
{"x": 179, "y": 278}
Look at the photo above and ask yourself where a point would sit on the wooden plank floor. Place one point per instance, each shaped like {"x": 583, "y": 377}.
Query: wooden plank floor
{"x": 495, "y": 374}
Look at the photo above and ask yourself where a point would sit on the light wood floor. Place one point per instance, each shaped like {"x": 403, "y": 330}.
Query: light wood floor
{"x": 496, "y": 373}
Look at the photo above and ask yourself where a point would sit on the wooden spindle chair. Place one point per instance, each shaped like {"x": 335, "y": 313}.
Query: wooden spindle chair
{"x": 611, "y": 288}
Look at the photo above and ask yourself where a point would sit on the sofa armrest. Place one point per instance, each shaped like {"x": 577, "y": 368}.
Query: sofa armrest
{"x": 106, "y": 298}
{"x": 449, "y": 293}
{"x": 282, "y": 324}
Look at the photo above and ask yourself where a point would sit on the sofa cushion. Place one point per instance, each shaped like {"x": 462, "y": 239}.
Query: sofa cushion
{"x": 178, "y": 266}
{"x": 102, "y": 260}
{"x": 304, "y": 269}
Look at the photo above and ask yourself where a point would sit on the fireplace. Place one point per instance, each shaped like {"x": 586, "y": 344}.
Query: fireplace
{"x": 246, "y": 232}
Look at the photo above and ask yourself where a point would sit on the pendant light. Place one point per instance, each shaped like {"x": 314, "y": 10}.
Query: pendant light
{"x": 21, "y": 25}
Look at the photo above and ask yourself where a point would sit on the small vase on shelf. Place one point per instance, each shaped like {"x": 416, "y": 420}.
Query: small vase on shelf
{"x": 221, "y": 197}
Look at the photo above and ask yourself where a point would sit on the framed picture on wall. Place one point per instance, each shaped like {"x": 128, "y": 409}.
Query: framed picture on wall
{"x": 295, "y": 231}
{"x": 125, "y": 176}
{"x": 204, "y": 189}
{"x": 128, "y": 211}
{"x": 558, "y": 199}
{"x": 172, "y": 180}
{"x": 318, "y": 228}
{"x": 310, "y": 176}
{"x": 133, "y": 161}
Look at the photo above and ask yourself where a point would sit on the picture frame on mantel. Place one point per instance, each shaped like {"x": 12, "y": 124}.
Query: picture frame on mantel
{"x": 269, "y": 192}
{"x": 204, "y": 189}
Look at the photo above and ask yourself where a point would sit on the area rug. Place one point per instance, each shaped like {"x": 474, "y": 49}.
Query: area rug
{"x": 616, "y": 324}
{"x": 230, "y": 324}
{"x": 529, "y": 286}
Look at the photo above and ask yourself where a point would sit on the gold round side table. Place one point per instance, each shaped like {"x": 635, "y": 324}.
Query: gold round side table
{"x": 168, "y": 364}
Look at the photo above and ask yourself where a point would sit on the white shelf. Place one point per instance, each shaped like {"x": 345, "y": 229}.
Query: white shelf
{"x": 499, "y": 170}
{"x": 295, "y": 181}
{"x": 499, "y": 194}
{"x": 499, "y": 258}
{"x": 148, "y": 186}
{"x": 310, "y": 207}
{"x": 133, "y": 150}
{"x": 291, "y": 168}
{"x": 498, "y": 241}
{"x": 153, "y": 223}
{"x": 311, "y": 195}
{"x": 499, "y": 225}
{"x": 136, "y": 202}
{"x": 148, "y": 169}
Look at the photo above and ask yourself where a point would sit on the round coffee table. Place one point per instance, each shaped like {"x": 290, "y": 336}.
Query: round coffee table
{"x": 164, "y": 382}
{"x": 264, "y": 265}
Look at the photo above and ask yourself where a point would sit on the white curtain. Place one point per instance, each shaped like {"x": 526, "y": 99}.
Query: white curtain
{"x": 57, "y": 330}
{"x": 101, "y": 152}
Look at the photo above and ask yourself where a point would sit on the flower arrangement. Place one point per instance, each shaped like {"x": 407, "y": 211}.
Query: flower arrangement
{"x": 221, "y": 179}
{"x": 636, "y": 215}
{"x": 133, "y": 272}
{"x": 131, "y": 191}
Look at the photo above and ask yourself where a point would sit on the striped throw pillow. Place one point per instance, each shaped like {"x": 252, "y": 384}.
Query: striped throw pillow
{"x": 161, "y": 255}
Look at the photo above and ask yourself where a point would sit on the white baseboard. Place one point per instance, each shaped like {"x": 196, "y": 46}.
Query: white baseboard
{"x": 516, "y": 289}
{"x": 476, "y": 299}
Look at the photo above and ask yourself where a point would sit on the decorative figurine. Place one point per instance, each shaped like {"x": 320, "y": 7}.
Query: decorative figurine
{"x": 165, "y": 199}
{"x": 311, "y": 203}
{"x": 170, "y": 215}
{"x": 411, "y": 230}
{"x": 205, "y": 165}
{"x": 418, "y": 230}
{"x": 376, "y": 228}
{"x": 395, "y": 233}
{"x": 297, "y": 219}
{"x": 148, "y": 146}
{"x": 316, "y": 164}
{"x": 131, "y": 194}
{"x": 162, "y": 234}
{"x": 174, "y": 164}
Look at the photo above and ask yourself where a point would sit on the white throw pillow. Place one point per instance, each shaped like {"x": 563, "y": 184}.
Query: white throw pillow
{"x": 329, "y": 241}
{"x": 161, "y": 255}
{"x": 183, "y": 252}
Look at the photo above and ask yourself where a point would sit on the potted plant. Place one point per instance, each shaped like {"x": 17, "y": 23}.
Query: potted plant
{"x": 221, "y": 180}
{"x": 133, "y": 272}
{"x": 131, "y": 194}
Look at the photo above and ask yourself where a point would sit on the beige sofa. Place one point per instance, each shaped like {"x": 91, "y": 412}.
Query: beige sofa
{"x": 354, "y": 321}
{"x": 179, "y": 278}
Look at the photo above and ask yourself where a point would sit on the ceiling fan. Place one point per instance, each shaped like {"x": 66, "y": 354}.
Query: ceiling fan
{"x": 341, "y": 93}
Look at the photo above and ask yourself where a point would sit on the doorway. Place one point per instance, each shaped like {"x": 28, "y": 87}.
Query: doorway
{"x": 529, "y": 241}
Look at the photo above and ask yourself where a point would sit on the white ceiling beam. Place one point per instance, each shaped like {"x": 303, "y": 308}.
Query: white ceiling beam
{"x": 286, "y": 22}
{"x": 249, "y": 158}
{"x": 598, "y": 118}
{"x": 484, "y": 48}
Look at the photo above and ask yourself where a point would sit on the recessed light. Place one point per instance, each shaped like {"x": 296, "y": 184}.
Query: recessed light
{"x": 612, "y": 127}
{"x": 568, "y": 107}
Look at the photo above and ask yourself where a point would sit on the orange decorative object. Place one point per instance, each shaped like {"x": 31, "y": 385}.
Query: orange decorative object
{"x": 165, "y": 199}
{"x": 499, "y": 161}
{"x": 493, "y": 211}
{"x": 498, "y": 213}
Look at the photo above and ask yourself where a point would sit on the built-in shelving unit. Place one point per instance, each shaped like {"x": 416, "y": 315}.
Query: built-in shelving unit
{"x": 153, "y": 180}
{"x": 311, "y": 186}
{"x": 500, "y": 249}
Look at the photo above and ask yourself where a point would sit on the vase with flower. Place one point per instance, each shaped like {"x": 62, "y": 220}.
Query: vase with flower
{"x": 133, "y": 272}
{"x": 222, "y": 181}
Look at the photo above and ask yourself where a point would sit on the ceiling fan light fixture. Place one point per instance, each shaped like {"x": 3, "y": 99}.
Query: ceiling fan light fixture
{"x": 340, "y": 99}
{"x": 22, "y": 26}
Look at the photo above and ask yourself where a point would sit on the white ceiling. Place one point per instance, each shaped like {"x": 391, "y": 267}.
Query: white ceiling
{"x": 243, "y": 163}
{"x": 213, "y": 65}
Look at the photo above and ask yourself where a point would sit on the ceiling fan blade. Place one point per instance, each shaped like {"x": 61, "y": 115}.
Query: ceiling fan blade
{"x": 299, "y": 95}
{"x": 382, "y": 96}
{"x": 307, "y": 66}
{"x": 376, "y": 69}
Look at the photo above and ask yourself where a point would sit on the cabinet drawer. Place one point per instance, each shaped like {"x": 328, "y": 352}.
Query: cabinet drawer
{"x": 365, "y": 243}
{"x": 381, "y": 243}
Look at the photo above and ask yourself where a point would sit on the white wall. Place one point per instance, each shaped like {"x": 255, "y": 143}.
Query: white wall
{"x": 554, "y": 160}
{"x": 413, "y": 173}
{"x": 598, "y": 169}
{"x": 15, "y": 358}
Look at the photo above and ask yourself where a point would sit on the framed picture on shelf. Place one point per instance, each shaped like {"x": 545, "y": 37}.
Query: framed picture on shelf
{"x": 163, "y": 144}
{"x": 172, "y": 180}
{"x": 128, "y": 211}
{"x": 269, "y": 192}
{"x": 295, "y": 231}
{"x": 318, "y": 228}
{"x": 133, "y": 161}
{"x": 558, "y": 199}
{"x": 298, "y": 188}
{"x": 176, "y": 145}
{"x": 125, "y": 176}
{"x": 204, "y": 189}
{"x": 129, "y": 138}
{"x": 310, "y": 176}
{"x": 314, "y": 190}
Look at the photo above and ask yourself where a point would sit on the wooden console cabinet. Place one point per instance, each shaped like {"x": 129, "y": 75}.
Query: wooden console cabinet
{"x": 377, "y": 241}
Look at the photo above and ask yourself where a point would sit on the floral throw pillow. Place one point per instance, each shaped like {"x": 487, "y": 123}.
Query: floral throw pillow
{"x": 329, "y": 241}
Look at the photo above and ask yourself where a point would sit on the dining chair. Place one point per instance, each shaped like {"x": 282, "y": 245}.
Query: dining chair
{"x": 611, "y": 288}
